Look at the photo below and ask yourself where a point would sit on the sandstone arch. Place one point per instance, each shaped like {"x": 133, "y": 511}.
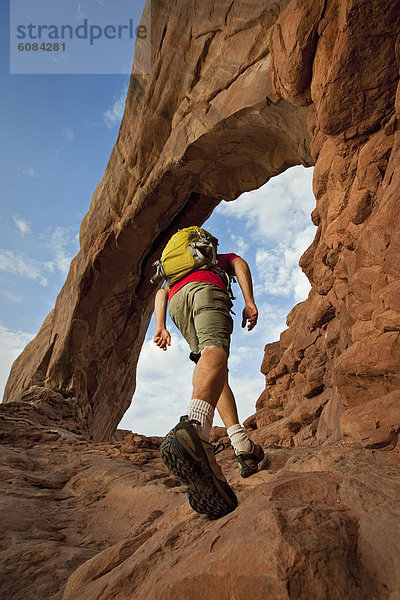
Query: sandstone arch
{"x": 211, "y": 130}
{"x": 237, "y": 93}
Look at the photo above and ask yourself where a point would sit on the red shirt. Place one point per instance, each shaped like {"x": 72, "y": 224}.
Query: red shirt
{"x": 224, "y": 263}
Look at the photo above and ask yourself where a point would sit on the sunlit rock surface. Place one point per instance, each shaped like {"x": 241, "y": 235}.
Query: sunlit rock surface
{"x": 86, "y": 520}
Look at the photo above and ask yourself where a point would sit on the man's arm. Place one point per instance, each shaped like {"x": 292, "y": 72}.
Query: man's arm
{"x": 161, "y": 336}
{"x": 243, "y": 275}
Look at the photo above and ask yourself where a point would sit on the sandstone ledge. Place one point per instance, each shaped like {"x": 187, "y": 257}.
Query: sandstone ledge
{"x": 86, "y": 520}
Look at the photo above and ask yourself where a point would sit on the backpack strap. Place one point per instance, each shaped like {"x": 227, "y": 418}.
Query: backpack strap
{"x": 160, "y": 272}
{"x": 226, "y": 278}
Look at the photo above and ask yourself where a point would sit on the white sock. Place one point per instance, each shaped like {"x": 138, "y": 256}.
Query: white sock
{"x": 239, "y": 439}
{"x": 204, "y": 413}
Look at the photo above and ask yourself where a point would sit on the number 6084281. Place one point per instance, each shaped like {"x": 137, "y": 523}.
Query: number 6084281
{"x": 44, "y": 47}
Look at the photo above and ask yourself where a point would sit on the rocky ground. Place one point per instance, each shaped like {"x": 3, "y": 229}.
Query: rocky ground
{"x": 82, "y": 520}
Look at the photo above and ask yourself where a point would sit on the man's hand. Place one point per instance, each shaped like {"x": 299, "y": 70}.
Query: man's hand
{"x": 250, "y": 315}
{"x": 162, "y": 338}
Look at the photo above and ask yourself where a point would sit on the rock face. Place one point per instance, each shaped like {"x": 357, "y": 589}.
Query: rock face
{"x": 338, "y": 363}
{"x": 238, "y": 92}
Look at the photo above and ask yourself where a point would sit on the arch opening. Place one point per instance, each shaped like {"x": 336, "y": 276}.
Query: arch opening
{"x": 270, "y": 228}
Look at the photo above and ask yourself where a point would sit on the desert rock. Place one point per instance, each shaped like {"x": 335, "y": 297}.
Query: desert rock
{"x": 90, "y": 520}
{"x": 238, "y": 92}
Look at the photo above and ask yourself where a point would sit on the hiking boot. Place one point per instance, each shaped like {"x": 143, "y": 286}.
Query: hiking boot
{"x": 192, "y": 460}
{"x": 248, "y": 461}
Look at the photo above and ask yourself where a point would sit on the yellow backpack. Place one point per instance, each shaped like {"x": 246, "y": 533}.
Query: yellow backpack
{"x": 189, "y": 249}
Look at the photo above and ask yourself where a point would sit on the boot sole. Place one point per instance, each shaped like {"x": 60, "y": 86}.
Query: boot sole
{"x": 203, "y": 490}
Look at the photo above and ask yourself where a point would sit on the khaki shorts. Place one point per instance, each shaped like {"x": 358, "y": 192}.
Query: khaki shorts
{"x": 201, "y": 312}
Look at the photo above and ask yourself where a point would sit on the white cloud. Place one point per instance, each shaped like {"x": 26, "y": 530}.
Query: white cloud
{"x": 276, "y": 221}
{"x": 271, "y": 323}
{"x": 240, "y": 245}
{"x": 11, "y": 297}
{"x": 63, "y": 247}
{"x": 68, "y": 135}
{"x": 245, "y": 378}
{"x": 21, "y": 225}
{"x": 11, "y": 345}
{"x": 238, "y": 352}
{"x": 247, "y": 347}
{"x": 164, "y": 388}
{"x": 246, "y": 391}
{"x": 113, "y": 116}
{"x": 278, "y": 269}
{"x": 80, "y": 13}
{"x": 30, "y": 172}
{"x": 62, "y": 244}
{"x": 19, "y": 264}
{"x": 301, "y": 285}
{"x": 278, "y": 209}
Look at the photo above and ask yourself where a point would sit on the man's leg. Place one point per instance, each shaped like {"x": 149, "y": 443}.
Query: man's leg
{"x": 210, "y": 374}
{"x": 209, "y": 378}
{"x": 210, "y": 389}
{"x": 227, "y": 409}
{"x": 213, "y": 326}
{"x": 248, "y": 455}
{"x": 226, "y": 406}
{"x": 186, "y": 450}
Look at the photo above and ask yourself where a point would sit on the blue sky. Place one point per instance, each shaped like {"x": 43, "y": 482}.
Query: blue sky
{"x": 57, "y": 135}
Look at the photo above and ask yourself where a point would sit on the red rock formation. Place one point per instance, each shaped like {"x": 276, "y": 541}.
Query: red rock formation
{"x": 342, "y": 348}
{"x": 205, "y": 125}
{"x": 88, "y": 520}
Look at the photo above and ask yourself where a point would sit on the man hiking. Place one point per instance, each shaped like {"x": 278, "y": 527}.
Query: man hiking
{"x": 199, "y": 306}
